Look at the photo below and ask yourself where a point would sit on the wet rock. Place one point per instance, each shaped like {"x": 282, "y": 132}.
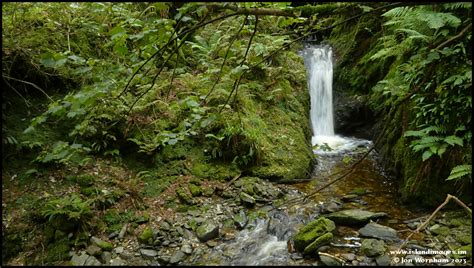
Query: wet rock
{"x": 331, "y": 206}
{"x": 383, "y": 260}
{"x": 278, "y": 225}
{"x": 186, "y": 248}
{"x": 240, "y": 220}
{"x": 329, "y": 260}
{"x": 322, "y": 240}
{"x": 79, "y": 260}
{"x": 247, "y": 200}
{"x": 412, "y": 225}
{"x": 102, "y": 244}
{"x": 375, "y": 230}
{"x": 92, "y": 261}
{"x": 348, "y": 256}
{"x": 312, "y": 231}
{"x": 372, "y": 247}
{"x": 117, "y": 262}
{"x": 177, "y": 257}
{"x": 354, "y": 216}
{"x": 439, "y": 230}
{"x": 207, "y": 231}
{"x": 148, "y": 253}
{"x": 146, "y": 237}
{"x": 93, "y": 250}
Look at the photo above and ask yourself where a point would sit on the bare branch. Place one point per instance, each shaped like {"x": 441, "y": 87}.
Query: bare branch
{"x": 454, "y": 38}
{"x": 225, "y": 59}
{"x": 237, "y": 81}
{"x": 31, "y": 84}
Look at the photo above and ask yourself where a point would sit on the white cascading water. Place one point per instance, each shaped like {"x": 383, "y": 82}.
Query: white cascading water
{"x": 318, "y": 61}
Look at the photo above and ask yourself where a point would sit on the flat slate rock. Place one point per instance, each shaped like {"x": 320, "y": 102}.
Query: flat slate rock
{"x": 375, "y": 230}
{"x": 354, "y": 216}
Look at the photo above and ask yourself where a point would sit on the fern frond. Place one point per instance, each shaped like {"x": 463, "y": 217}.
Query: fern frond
{"x": 459, "y": 5}
{"x": 460, "y": 171}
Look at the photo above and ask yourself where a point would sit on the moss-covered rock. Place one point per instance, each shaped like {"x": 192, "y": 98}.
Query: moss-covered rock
{"x": 195, "y": 190}
{"x": 58, "y": 251}
{"x": 184, "y": 196}
{"x": 146, "y": 237}
{"x": 102, "y": 244}
{"x": 247, "y": 200}
{"x": 320, "y": 241}
{"x": 312, "y": 231}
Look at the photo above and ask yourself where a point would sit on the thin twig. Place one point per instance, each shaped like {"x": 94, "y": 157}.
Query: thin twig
{"x": 237, "y": 81}
{"x": 172, "y": 40}
{"x": 425, "y": 223}
{"x": 31, "y": 84}
{"x": 156, "y": 76}
{"x": 225, "y": 59}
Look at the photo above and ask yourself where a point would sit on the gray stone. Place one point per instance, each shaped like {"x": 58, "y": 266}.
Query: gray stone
{"x": 79, "y": 260}
{"x": 207, "y": 231}
{"x": 113, "y": 235}
{"x": 186, "y": 248}
{"x": 92, "y": 261}
{"x": 148, "y": 253}
{"x": 106, "y": 256}
{"x": 375, "y": 230}
{"x": 329, "y": 260}
{"x": 383, "y": 260}
{"x": 123, "y": 231}
{"x": 372, "y": 247}
{"x": 165, "y": 226}
{"x": 177, "y": 257}
{"x": 93, "y": 250}
{"x": 118, "y": 250}
{"x": 102, "y": 244}
{"x": 354, "y": 216}
{"x": 247, "y": 200}
{"x": 117, "y": 262}
{"x": 348, "y": 256}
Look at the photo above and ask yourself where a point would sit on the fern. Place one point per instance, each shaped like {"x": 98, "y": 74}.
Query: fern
{"x": 460, "y": 171}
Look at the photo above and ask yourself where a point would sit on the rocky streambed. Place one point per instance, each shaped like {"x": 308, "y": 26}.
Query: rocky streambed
{"x": 239, "y": 225}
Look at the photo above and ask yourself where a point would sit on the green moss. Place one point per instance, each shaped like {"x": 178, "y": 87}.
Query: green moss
{"x": 195, "y": 190}
{"x": 146, "y": 236}
{"x": 105, "y": 245}
{"x": 312, "y": 231}
{"x": 320, "y": 241}
{"x": 58, "y": 251}
{"x": 215, "y": 171}
{"x": 184, "y": 196}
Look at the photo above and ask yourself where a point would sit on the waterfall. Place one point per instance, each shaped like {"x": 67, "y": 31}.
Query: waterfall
{"x": 318, "y": 61}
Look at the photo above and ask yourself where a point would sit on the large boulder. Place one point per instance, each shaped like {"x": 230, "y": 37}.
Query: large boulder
{"x": 354, "y": 216}
{"x": 375, "y": 230}
{"x": 314, "y": 234}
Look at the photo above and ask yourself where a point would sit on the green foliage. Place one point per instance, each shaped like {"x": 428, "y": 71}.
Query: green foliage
{"x": 460, "y": 171}
{"x": 71, "y": 207}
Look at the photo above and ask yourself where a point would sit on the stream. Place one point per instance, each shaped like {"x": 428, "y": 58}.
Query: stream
{"x": 266, "y": 241}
